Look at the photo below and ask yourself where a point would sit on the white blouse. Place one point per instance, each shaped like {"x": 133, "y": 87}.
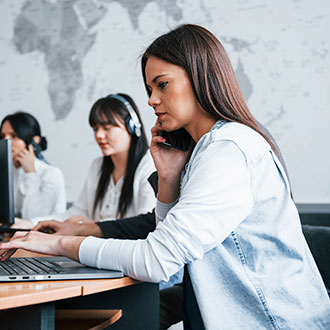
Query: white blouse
{"x": 143, "y": 195}
{"x": 39, "y": 192}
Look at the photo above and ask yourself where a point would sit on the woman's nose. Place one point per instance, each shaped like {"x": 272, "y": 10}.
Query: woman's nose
{"x": 153, "y": 100}
{"x": 99, "y": 134}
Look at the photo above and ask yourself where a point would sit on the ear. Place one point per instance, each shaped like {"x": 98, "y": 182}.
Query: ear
{"x": 36, "y": 139}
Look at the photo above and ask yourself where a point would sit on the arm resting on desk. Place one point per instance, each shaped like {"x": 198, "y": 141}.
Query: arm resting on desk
{"x": 69, "y": 228}
{"x": 137, "y": 227}
{"x": 42, "y": 243}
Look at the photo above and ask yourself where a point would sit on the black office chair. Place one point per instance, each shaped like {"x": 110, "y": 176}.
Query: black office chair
{"x": 318, "y": 240}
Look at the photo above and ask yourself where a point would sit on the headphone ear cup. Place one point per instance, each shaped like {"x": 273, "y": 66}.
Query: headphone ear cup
{"x": 130, "y": 126}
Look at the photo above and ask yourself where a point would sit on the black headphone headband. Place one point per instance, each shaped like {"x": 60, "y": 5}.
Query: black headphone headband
{"x": 131, "y": 111}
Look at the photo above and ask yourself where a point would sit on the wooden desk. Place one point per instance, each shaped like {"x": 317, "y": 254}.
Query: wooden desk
{"x": 31, "y": 305}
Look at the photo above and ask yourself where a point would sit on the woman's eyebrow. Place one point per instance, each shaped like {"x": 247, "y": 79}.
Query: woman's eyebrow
{"x": 160, "y": 75}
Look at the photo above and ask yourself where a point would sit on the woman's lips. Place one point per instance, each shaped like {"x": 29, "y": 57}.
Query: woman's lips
{"x": 160, "y": 115}
{"x": 103, "y": 145}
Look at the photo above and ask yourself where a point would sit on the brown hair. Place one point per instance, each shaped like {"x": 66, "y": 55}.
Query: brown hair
{"x": 213, "y": 80}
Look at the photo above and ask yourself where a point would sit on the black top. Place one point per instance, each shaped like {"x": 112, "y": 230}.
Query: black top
{"x": 137, "y": 227}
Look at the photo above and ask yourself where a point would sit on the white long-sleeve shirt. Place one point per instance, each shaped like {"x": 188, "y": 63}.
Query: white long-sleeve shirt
{"x": 39, "y": 192}
{"x": 216, "y": 186}
{"x": 143, "y": 195}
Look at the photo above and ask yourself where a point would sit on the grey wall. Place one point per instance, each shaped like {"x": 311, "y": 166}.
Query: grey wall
{"x": 58, "y": 57}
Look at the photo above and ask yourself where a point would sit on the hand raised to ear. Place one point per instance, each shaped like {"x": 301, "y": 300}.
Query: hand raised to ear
{"x": 26, "y": 159}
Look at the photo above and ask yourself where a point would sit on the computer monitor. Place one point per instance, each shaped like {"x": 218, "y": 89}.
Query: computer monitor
{"x": 7, "y": 212}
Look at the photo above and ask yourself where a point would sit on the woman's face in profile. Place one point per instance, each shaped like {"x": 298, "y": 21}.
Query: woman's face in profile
{"x": 111, "y": 139}
{"x": 171, "y": 94}
{"x": 7, "y": 132}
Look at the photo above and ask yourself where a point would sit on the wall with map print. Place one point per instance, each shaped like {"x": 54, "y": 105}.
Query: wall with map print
{"x": 58, "y": 57}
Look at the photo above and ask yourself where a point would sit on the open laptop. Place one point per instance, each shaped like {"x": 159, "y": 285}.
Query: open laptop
{"x": 41, "y": 268}
{"x": 50, "y": 268}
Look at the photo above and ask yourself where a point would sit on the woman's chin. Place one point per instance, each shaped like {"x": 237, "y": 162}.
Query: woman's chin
{"x": 107, "y": 152}
{"x": 170, "y": 128}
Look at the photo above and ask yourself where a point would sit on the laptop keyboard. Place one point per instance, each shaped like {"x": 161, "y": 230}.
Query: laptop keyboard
{"x": 29, "y": 266}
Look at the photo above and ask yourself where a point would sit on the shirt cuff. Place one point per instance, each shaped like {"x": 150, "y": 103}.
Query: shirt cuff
{"x": 162, "y": 209}
{"x": 106, "y": 219}
{"x": 89, "y": 249}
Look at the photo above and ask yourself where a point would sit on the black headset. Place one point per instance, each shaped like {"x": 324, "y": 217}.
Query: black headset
{"x": 132, "y": 122}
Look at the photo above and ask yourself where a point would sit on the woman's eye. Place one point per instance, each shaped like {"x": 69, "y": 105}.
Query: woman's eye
{"x": 162, "y": 85}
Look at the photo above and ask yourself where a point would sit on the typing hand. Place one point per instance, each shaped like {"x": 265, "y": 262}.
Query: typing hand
{"x": 27, "y": 241}
{"x": 69, "y": 228}
{"x": 55, "y": 227}
{"x": 42, "y": 243}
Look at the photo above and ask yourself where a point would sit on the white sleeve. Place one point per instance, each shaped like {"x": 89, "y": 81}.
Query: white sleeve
{"x": 144, "y": 198}
{"x": 41, "y": 193}
{"x": 215, "y": 200}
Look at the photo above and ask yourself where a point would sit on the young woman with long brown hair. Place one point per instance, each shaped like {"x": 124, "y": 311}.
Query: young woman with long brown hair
{"x": 224, "y": 208}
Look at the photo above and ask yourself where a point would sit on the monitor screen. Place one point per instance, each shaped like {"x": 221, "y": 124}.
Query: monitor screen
{"x": 6, "y": 184}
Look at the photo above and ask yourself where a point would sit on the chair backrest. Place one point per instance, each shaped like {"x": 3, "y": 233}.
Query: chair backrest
{"x": 318, "y": 240}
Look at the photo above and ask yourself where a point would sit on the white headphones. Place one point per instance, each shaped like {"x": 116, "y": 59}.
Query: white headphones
{"x": 132, "y": 122}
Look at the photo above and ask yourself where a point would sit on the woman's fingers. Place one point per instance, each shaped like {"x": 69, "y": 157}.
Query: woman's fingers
{"x": 31, "y": 150}
{"x": 6, "y": 254}
{"x": 9, "y": 248}
{"x": 155, "y": 134}
{"x": 158, "y": 139}
{"x": 33, "y": 241}
{"x": 47, "y": 225}
{"x": 156, "y": 129}
{"x": 22, "y": 154}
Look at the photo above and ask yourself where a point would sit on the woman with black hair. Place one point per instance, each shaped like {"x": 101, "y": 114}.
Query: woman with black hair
{"x": 116, "y": 185}
{"x": 38, "y": 187}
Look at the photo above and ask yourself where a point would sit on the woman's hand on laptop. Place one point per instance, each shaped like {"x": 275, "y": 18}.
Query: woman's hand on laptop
{"x": 42, "y": 243}
{"x": 69, "y": 228}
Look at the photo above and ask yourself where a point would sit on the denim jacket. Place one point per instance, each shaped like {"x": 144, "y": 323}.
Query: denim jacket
{"x": 262, "y": 276}
{"x": 237, "y": 229}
